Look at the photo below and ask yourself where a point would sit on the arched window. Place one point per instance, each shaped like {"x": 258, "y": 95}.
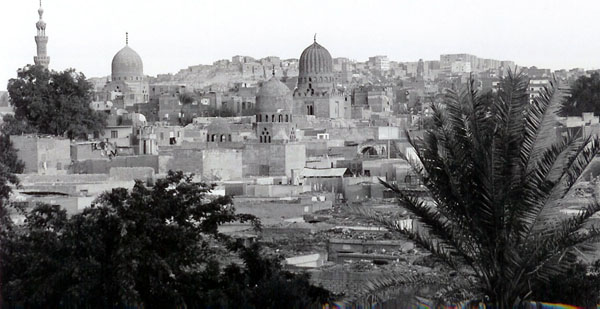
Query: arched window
{"x": 286, "y": 118}
{"x": 265, "y": 137}
{"x": 280, "y": 118}
{"x": 213, "y": 137}
{"x": 207, "y": 137}
{"x": 272, "y": 118}
{"x": 229, "y": 138}
{"x": 222, "y": 137}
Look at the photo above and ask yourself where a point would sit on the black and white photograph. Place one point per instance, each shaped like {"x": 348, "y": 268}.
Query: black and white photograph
{"x": 321, "y": 154}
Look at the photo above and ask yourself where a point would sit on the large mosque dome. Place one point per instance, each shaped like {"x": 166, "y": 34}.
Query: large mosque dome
{"x": 127, "y": 65}
{"x": 316, "y": 75}
{"x": 315, "y": 59}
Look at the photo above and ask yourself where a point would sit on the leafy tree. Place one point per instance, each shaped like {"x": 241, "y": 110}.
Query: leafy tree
{"x": 156, "y": 247}
{"x": 6, "y": 178}
{"x": 55, "y": 103}
{"x": 33, "y": 265}
{"x": 187, "y": 98}
{"x": 8, "y": 156}
{"x": 585, "y": 96}
{"x": 496, "y": 171}
{"x": 11, "y": 126}
{"x": 261, "y": 283}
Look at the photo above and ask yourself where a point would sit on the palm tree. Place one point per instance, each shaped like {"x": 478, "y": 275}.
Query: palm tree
{"x": 495, "y": 171}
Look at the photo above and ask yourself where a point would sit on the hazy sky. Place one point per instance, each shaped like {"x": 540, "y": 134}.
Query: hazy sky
{"x": 173, "y": 34}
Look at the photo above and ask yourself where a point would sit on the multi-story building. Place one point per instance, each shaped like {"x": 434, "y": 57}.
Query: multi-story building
{"x": 379, "y": 63}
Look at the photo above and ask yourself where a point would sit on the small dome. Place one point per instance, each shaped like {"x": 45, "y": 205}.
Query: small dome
{"x": 219, "y": 125}
{"x": 315, "y": 59}
{"x": 127, "y": 63}
{"x": 274, "y": 97}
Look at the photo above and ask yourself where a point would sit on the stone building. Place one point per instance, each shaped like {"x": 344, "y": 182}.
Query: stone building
{"x": 218, "y": 131}
{"x": 316, "y": 93}
{"x": 275, "y": 151}
{"x": 127, "y": 78}
{"x": 274, "y": 109}
{"x": 43, "y": 155}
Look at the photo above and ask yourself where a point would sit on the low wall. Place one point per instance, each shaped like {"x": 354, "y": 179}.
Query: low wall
{"x": 336, "y": 248}
{"x": 131, "y": 173}
{"x": 276, "y": 211}
{"x": 68, "y": 178}
{"x": 104, "y": 166}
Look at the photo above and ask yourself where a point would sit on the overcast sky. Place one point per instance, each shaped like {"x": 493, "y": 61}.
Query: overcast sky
{"x": 173, "y": 34}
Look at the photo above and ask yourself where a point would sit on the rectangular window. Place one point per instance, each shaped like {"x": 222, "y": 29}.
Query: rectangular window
{"x": 114, "y": 134}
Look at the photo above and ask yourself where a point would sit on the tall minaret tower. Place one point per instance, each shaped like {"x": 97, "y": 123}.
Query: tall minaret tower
{"x": 41, "y": 40}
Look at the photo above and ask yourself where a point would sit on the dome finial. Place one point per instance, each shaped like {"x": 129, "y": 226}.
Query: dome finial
{"x": 41, "y": 10}
{"x": 273, "y": 70}
{"x": 315, "y": 38}
{"x": 126, "y": 38}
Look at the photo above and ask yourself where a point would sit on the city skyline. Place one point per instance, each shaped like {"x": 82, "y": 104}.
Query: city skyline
{"x": 169, "y": 38}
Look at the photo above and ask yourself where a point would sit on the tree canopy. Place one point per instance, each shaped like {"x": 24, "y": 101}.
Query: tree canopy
{"x": 585, "y": 96}
{"x": 496, "y": 173}
{"x": 158, "y": 247}
{"x": 56, "y": 103}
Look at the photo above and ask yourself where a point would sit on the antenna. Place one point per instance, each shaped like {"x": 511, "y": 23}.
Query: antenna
{"x": 126, "y": 37}
{"x": 315, "y": 38}
{"x": 273, "y": 70}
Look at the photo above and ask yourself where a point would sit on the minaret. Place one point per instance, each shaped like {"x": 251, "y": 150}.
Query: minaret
{"x": 41, "y": 40}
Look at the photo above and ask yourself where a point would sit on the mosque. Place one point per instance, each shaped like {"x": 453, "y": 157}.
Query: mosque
{"x": 316, "y": 93}
{"x": 127, "y": 85}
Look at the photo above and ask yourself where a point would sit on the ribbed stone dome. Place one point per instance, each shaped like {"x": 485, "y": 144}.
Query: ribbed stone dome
{"x": 315, "y": 59}
{"x": 274, "y": 97}
{"x": 127, "y": 64}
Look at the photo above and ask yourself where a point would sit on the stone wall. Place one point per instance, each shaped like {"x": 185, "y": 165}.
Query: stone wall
{"x": 103, "y": 166}
{"x": 221, "y": 164}
{"x": 359, "y": 134}
{"x": 188, "y": 160}
{"x": 132, "y": 173}
{"x": 43, "y": 155}
{"x": 86, "y": 151}
{"x": 273, "y": 159}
